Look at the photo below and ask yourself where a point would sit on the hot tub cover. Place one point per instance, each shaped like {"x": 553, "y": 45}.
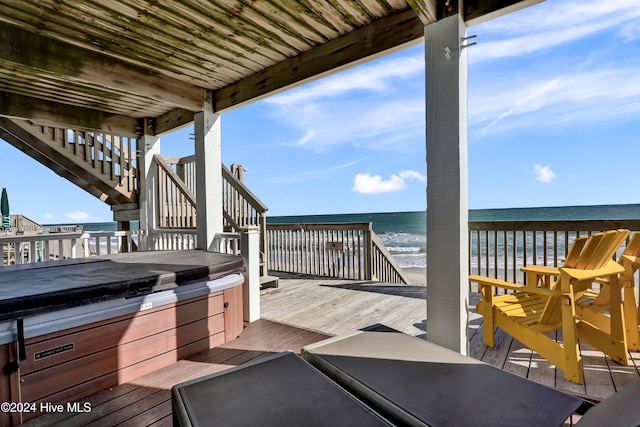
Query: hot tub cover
{"x": 37, "y": 288}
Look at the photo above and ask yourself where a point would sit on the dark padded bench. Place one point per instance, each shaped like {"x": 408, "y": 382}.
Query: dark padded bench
{"x": 277, "y": 390}
{"x": 411, "y": 381}
{"x": 372, "y": 378}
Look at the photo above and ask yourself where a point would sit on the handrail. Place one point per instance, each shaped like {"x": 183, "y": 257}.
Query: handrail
{"x": 243, "y": 190}
{"x": 344, "y": 250}
{"x": 385, "y": 266}
{"x": 176, "y": 203}
{"x": 242, "y": 209}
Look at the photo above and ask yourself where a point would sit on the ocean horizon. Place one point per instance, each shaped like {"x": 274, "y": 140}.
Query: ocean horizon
{"x": 404, "y": 233}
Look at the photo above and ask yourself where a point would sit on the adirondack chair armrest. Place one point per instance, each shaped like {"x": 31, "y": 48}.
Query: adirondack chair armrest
{"x": 609, "y": 269}
{"x": 491, "y": 282}
{"x": 541, "y": 270}
{"x": 634, "y": 260}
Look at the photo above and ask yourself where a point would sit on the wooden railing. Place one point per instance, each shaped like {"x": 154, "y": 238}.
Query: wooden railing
{"x": 240, "y": 207}
{"x": 176, "y": 202}
{"x": 22, "y": 224}
{"x": 350, "y": 251}
{"x": 500, "y": 248}
{"x": 171, "y": 239}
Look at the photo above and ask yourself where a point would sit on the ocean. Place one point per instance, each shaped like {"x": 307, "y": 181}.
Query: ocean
{"x": 404, "y": 233}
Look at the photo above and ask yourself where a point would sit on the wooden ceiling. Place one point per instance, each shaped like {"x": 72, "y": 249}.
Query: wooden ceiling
{"x": 107, "y": 64}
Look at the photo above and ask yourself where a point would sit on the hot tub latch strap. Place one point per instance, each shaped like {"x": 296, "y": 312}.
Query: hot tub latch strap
{"x": 22, "y": 351}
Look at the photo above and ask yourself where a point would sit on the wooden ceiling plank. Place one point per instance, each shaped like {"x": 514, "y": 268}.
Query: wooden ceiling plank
{"x": 384, "y": 35}
{"x": 351, "y": 11}
{"x": 294, "y": 17}
{"x": 125, "y": 48}
{"x": 192, "y": 33}
{"x": 56, "y": 58}
{"x": 326, "y": 10}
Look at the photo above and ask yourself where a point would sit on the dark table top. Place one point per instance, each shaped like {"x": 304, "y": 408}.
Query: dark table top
{"x": 278, "y": 390}
{"x": 34, "y": 288}
{"x": 421, "y": 383}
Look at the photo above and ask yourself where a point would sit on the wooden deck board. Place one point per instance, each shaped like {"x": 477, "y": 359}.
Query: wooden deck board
{"x": 147, "y": 400}
{"x": 306, "y": 310}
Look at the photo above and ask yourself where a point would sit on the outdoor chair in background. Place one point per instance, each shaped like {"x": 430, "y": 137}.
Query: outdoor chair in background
{"x": 594, "y": 304}
{"x": 532, "y": 311}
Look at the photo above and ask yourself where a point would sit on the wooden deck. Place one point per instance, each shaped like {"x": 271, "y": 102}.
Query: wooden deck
{"x": 334, "y": 306}
{"x": 146, "y": 401}
{"x": 303, "y": 310}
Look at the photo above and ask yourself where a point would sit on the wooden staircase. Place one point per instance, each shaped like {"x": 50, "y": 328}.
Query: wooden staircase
{"x": 103, "y": 164}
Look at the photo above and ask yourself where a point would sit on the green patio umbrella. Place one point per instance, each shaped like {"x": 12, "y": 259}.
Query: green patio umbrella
{"x": 4, "y": 209}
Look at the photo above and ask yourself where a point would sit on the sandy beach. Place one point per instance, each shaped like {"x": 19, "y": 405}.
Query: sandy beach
{"x": 418, "y": 276}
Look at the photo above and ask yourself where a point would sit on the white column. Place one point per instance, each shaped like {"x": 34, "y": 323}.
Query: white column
{"x": 447, "y": 187}
{"x": 250, "y": 246}
{"x": 208, "y": 148}
{"x": 148, "y": 145}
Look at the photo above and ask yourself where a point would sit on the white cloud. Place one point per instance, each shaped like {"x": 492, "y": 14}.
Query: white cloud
{"x": 49, "y": 215}
{"x": 550, "y": 24}
{"x": 575, "y": 95}
{"x": 409, "y": 174}
{"x": 375, "y": 77}
{"x": 365, "y": 183}
{"x": 375, "y": 106}
{"x": 544, "y": 173}
{"x": 308, "y": 175}
{"x": 79, "y": 216}
{"x": 630, "y": 31}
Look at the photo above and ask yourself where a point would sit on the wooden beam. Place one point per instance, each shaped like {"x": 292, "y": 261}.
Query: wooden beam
{"x": 172, "y": 120}
{"x": 45, "y": 55}
{"x": 478, "y": 11}
{"x": 62, "y": 115}
{"x": 375, "y": 39}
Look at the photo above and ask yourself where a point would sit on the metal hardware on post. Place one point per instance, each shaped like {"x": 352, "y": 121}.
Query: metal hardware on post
{"x": 463, "y": 40}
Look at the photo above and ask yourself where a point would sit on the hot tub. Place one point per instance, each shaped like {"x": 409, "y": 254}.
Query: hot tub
{"x": 69, "y": 329}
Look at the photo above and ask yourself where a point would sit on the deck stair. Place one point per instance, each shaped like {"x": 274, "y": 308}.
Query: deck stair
{"x": 103, "y": 164}
{"x": 241, "y": 208}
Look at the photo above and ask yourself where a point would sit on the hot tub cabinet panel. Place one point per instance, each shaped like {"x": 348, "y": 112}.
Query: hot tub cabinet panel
{"x": 78, "y": 351}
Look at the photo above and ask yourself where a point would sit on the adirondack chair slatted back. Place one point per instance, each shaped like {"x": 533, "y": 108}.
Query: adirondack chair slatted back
{"x": 574, "y": 252}
{"x": 633, "y": 247}
{"x": 585, "y": 254}
{"x": 601, "y": 249}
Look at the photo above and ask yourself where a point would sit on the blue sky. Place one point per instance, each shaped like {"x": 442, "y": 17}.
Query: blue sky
{"x": 554, "y": 120}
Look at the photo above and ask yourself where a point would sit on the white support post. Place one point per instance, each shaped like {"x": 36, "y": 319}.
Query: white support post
{"x": 250, "y": 247}
{"x": 148, "y": 200}
{"x": 447, "y": 184}
{"x": 208, "y": 148}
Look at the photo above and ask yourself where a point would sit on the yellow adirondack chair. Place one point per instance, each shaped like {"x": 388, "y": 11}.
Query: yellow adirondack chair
{"x": 532, "y": 311}
{"x": 595, "y": 303}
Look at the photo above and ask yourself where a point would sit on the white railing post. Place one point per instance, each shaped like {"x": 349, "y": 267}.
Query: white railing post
{"x": 250, "y": 247}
